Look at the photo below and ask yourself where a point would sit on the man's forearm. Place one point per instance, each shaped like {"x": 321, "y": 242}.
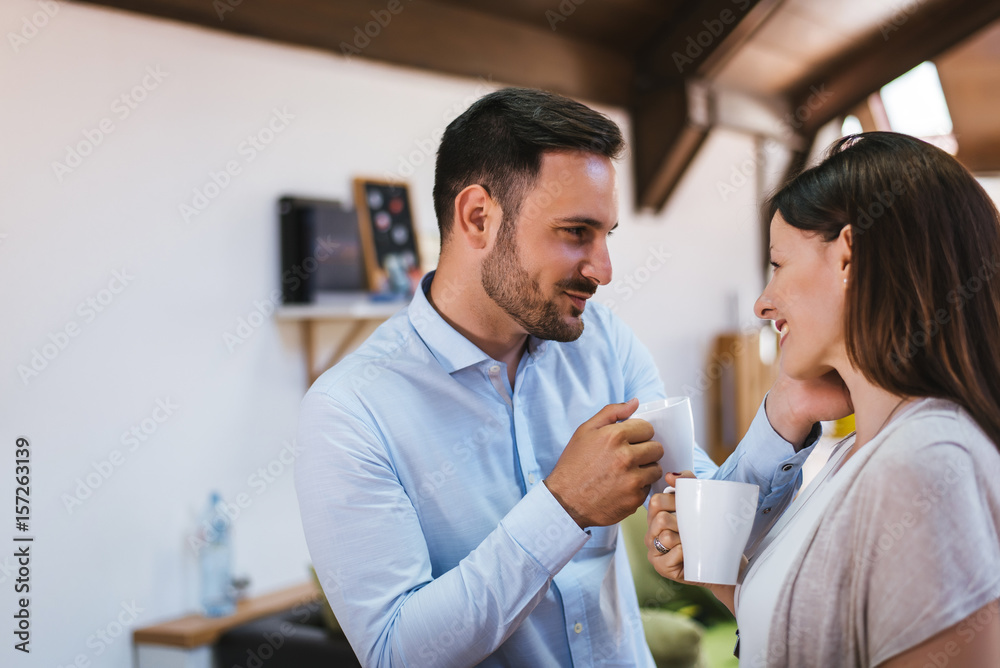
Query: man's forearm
{"x": 393, "y": 615}
{"x": 461, "y": 617}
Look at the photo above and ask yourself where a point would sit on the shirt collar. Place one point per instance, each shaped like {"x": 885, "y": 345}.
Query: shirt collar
{"x": 452, "y": 350}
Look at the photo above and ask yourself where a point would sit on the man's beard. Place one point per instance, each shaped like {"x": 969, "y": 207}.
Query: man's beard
{"x": 508, "y": 284}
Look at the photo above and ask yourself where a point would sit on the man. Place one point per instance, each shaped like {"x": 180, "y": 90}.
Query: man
{"x": 463, "y": 472}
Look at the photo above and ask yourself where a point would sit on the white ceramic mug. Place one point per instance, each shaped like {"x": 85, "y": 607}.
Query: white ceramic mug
{"x": 673, "y": 428}
{"x": 714, "y": 518}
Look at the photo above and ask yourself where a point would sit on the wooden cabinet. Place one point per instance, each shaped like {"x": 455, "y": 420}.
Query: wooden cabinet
{"x": 741, "y": 369}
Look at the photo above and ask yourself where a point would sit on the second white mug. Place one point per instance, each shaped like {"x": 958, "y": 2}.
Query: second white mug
{"x": 673, "y": 427}
{"x": 714, "y": 519}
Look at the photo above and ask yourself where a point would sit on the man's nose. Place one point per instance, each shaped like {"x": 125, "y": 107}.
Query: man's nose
{"x": 598, "y": 265}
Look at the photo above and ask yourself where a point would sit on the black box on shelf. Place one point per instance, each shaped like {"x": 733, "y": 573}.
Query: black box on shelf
{"x": 321, "y": 249}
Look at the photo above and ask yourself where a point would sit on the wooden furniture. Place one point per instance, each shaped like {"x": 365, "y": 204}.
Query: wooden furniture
{"x": 741, "y": 370}
{"x": 356, "y": 313}
{"x": 187, "y": 642}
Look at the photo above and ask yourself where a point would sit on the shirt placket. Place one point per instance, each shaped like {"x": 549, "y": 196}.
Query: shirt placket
{"x": 530, "y": 472}
{"x": 575, "y": 619}
{"x": 567, "y": 586}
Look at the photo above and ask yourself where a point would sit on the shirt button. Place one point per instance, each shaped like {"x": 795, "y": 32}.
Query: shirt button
{"x": 578, "y": 627}
{"x": 767, "y": 510}
{"x": 494, "y": 368}
{"x": 786, "y": 467}
{"x": 531, "y": 478}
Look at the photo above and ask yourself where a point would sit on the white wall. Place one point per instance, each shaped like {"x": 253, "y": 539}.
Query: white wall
{"x": 161, "y": 336}
{"x": 991, "y": 184}
{"x": 713, "y": 275}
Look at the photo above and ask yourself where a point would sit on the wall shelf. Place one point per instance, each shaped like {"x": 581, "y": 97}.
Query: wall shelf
{"x": 358, "y": 311}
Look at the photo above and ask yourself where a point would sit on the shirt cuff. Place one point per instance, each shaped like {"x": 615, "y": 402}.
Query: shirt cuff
{"x": 762, "y": 441}
{"x": 543, "y": 529}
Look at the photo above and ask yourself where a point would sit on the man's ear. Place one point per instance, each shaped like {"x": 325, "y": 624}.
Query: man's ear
{"x": 845, "y": 247}
{"x": 475, "y": 217}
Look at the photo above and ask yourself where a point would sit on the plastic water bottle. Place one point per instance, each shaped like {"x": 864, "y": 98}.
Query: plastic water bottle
{"x": 399, "y": 280}
{"x": 215, "y": 561}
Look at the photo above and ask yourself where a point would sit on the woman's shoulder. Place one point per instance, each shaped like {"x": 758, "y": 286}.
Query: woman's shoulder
{"x": 936, "y": 428}
{"x": 937, "y": 442}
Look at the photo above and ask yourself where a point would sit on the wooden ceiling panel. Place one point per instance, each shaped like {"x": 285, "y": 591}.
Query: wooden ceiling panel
{"x": 799, "y": 36}
{"x": 759, "y": 69}
{"x": 970, "y": 78}
{"x": 802, "y": 41}
{"x": 838, "y": 84}
{"x": 854, "y": 18}
{"x": 621, "y": 25}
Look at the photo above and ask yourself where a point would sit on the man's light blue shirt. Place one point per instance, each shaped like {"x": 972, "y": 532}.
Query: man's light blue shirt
{"x": 421, "y": 493}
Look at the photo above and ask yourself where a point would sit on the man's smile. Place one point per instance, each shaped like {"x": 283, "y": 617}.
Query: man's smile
{"x": 578, "y": 300}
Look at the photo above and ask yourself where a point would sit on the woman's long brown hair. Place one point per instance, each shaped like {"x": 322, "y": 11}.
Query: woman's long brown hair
{"x": 923, "y": 299}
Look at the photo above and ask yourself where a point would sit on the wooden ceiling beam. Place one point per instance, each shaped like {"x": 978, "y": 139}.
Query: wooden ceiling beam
{"x": 436, "y": 36}
{"x": 450, "y": 38}
{"x": 671, "y": 113}
{"x": 667, "y": 135}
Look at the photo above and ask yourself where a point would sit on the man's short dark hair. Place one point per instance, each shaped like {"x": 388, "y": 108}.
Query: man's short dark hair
{"x": 498, "y": 143}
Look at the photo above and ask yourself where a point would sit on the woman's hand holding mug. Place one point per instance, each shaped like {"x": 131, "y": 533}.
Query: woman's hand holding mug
{"x": 663, "y": 541}
{"x": 662, "y": 533}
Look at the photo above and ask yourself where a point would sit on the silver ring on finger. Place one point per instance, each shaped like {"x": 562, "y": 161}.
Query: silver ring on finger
{"x": 659, "y": 546}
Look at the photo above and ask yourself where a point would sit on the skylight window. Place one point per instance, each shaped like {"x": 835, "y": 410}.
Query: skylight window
{"x": 852, "y": 126}
{"x": 915, "y": 105}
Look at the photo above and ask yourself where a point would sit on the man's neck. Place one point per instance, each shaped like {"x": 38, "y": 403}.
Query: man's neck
{"x": 464, "y": 305}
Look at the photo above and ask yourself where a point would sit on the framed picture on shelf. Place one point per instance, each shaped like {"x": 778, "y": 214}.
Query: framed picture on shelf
{"x": 388, "y": 237}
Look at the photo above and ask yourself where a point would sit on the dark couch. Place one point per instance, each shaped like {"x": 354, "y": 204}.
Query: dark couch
{"x": 296, "y": 638}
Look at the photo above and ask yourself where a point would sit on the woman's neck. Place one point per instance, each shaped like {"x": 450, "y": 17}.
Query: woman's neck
{"x": 874, "y": 407}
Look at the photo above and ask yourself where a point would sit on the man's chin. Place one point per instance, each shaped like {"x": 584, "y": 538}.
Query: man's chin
{"x": 550, "y": 324}
{"x": 571, "y": 330}
{"x": 578, "y": 333}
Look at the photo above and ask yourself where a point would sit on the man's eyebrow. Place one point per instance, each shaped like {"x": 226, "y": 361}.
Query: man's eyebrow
{"x": 589, "y": 222}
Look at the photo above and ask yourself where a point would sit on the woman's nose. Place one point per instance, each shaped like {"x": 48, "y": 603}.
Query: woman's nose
{"x": 762, "y": 307}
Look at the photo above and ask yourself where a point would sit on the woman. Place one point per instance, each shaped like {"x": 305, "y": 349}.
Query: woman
{"x": 886, "y": 277}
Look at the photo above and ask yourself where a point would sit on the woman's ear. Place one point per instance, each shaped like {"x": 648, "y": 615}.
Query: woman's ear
{"x": 844, "y": 247}
{"x": 476, "y": 213}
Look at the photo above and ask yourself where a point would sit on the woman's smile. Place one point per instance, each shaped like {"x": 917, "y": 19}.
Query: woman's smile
{"x": 782, "y": 327}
